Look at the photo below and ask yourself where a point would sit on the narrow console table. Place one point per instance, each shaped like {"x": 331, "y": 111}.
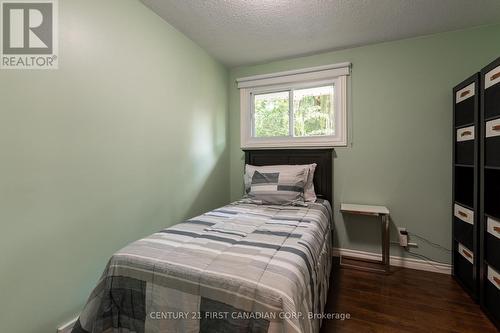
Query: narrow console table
{"x": 377, "y": 211}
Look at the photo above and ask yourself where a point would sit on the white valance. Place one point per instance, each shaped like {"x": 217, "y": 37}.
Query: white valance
{"x": 298, "y": 75}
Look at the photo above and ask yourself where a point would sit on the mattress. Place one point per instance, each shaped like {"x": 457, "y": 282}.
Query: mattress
{"x": 239, "y": 268}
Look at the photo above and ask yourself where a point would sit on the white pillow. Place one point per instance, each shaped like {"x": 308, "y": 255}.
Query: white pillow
{"x": 309, "y": 194}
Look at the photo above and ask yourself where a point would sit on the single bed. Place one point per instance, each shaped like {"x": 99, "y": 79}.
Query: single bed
{"x": 240, "y": 268}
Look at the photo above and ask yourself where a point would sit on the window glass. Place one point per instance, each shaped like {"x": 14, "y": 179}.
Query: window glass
{"x": 271, "y": 114}
{"x": 313, "y": 111}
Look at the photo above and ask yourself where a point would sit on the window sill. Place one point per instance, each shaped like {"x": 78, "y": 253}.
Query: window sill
{"x": 290, "y": 144}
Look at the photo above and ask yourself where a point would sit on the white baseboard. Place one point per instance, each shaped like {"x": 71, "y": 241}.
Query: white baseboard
{"x": 422, "y": 265}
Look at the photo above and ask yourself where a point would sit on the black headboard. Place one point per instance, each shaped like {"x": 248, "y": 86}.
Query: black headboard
{"x": 323, "y": 177}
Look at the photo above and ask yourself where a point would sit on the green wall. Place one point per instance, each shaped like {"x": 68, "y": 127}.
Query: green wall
{"x": 401, "y": 132}
{"x": 126, "y": 138}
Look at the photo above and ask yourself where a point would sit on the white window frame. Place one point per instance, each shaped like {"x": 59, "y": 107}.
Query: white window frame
{"x": 335, "y": 75}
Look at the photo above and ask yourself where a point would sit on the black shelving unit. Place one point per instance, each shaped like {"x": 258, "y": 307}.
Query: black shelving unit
{"x": 490, "y": 192}
{"x": 466, "y": 139}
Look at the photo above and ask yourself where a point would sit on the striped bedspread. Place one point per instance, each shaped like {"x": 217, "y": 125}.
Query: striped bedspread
{"x": 240, "y": 268}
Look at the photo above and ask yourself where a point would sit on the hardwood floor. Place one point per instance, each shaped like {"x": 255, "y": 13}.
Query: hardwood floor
{"x": 405, "y": 301}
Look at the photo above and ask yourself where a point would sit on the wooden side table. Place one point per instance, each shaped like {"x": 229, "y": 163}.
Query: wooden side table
{"x": 378, "y": 211}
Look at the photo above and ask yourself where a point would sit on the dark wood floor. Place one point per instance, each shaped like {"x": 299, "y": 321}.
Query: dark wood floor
{"x": 405, "y": 301}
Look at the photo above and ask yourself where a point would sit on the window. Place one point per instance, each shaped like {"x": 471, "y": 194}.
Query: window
{"x": 300, "y": 108}
{"x": 311, "y": 113}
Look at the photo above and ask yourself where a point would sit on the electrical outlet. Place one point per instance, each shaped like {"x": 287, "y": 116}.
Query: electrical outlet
{"x": 403, "y": 237}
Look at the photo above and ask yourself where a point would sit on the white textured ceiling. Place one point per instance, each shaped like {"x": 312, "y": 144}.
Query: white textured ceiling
{"x": 239, "y": 32}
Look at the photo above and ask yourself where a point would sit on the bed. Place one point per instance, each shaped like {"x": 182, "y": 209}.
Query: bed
{"x": 270, "y": 274}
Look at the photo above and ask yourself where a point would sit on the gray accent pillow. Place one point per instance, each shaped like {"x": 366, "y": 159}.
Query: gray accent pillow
{"x": 309, "y": 193}
{"x": 284, "y": 187}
